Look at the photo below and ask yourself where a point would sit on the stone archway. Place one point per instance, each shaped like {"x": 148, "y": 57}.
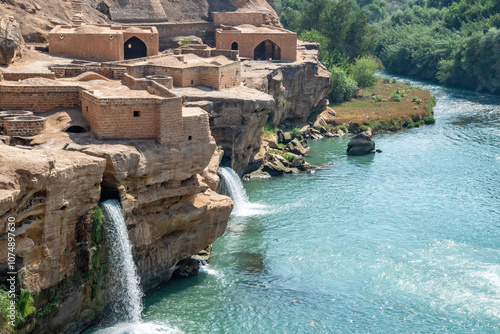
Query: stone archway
{"x": 267, "y": 50}
{"x": 135, "y": 48}
{"x": 234, "y": 46}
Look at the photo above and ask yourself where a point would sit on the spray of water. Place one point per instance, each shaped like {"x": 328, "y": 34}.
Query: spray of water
{"x": 232, "y": 184}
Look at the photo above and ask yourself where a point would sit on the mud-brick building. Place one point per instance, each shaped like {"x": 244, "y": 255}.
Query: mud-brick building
{"x": 103, "y": 42}
{"x": 258, "y": 42}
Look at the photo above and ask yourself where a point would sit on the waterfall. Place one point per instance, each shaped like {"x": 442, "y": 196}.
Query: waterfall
{"x": 127, "y": 287}
{"x": 231, "y": 184}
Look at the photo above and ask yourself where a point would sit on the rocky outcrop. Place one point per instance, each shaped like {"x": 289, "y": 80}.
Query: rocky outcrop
{"x": 361, "y": 144}
{"x": 237, "y": 120}
{"x": 296, "y": 87}
{"x": 11, "y": 40}
{"x": 169, "y": 204}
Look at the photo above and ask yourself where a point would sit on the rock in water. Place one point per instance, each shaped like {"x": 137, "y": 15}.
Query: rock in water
{"x": 11, "y": 40}
{"x": 361, "y": 144}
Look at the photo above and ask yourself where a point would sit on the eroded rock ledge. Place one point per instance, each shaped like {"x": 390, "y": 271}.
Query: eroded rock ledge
{"x": 168, "y": 198}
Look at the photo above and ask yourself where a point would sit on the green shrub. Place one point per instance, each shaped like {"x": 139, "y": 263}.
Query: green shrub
{"x": 395, "y": 96}
{"x": 364, "y": 128}
{"x": 414, "y": 99}
{"x": 394, "y": 81}
{"x": 408, "y": 83}
{"x": 282, "y": 146}
{"x": 343, "y": 87}
{"x": 340, "y": 127}
{"x": 97, "y": 219}
{"x": 415, "y": 108}
{"x": 376, "y": 126}
{"x": 363, "y": 72}
{"x": 186, "y": 41}
{"x": 269, "y": 129}
{"x": 386, "y": 80}
{"x": 376, "y": 98}
{"x": 296, "y": 133}
{"x": 429, "y": 119}
{"x": 383, "y": 100}
{"x": 25, "y": 306}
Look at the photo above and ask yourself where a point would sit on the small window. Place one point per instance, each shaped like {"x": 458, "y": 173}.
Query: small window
{"x": 137, "y": 113}
{"x": 192, "y": 82}
{"x": 190, "y": 137}
{"x": 86, "y": 108}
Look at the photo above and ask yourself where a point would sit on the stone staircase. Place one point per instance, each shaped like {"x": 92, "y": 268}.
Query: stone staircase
{"x": 77, "y": 18}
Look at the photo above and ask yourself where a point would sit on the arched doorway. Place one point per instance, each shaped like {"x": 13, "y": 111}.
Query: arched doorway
{"x": 234, "y": 46}
{"x": 267, "y": 50}
{"x": 135, "y": 48}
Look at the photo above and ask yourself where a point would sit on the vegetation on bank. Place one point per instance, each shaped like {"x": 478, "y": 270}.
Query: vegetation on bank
{"x": 388, "y": 106}
{"x": 455, "y": 42}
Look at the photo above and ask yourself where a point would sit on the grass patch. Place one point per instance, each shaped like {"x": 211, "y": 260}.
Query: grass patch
{"x": 287, "y": 156}
{"x": 269, "y": 130}
{"x": 374, "y": 107}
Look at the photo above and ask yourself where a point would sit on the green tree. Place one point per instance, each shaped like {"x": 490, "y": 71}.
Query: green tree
{"x": 363, "y": 71}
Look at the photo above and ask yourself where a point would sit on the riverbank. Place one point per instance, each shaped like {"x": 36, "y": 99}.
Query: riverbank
{"x": 389, "y": 106}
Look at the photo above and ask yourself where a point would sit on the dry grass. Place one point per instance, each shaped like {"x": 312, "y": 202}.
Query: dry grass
{"x": 368, "y": 109}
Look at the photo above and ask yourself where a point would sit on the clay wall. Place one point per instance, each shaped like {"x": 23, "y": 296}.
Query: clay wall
{"x": 102, "y": 47}
{"x": 99, "y": 42}
{"x": 69, "y": 71}
{"x": 25, "y": 75}
{"x": 39, "y": 98}
{"x": 196, "y": 125}
{"x": 238, "y": 18}
{"x": 248, "y": 41}
{"x": 121, "y": 117}
{"x": 23, "y": 125}
{"x": 170, "y": 121}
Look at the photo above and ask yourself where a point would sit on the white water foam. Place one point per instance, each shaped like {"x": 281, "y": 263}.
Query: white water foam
{"x": 450, "y": 279}
{"x": 242, "y": 206}
{"x": 139, "y": 328}
{"x": 207, "y": 269}
{"x": 128, "y": 302}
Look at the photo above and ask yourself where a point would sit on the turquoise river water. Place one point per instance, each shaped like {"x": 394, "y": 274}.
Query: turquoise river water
{"x": 402, "y": 241}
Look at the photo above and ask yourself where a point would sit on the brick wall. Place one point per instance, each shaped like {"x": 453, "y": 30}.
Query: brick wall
{"x": 26, "y": 75}
{"x": 121, "y": 118}
{"x": 23, "y": 125}
{"x": 69, "y": 71}
{"x": 196, "y": 124}
{"x": 39, "y": 98}
{"x": 170, "y": 121}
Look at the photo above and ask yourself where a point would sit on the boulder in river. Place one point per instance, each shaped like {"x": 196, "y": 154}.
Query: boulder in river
{"x": 361, "y": 144}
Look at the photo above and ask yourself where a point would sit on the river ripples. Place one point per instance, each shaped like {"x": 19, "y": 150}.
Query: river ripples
{"x": 403, "y": 241}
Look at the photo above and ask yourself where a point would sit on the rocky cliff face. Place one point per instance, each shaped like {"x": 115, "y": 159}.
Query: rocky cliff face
{"x": 11, "y": 40}
{"x": 37, "y": 18}
{"x": 169, "y": 204}
{"x": 296, "y": 87}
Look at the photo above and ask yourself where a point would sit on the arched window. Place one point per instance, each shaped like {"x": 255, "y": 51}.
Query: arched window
{"x": 135, "y": 48}
{"x": 234, "y": 46}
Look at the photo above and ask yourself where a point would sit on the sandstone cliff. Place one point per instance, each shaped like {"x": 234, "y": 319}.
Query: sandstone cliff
{"x": 11, "y": 40}
{"x": 39, "y": 17}
{"x": 51, "y": 187}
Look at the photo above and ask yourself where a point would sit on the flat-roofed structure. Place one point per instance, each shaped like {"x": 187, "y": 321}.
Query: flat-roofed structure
{"x": 103, "y": 42}
{"x": 258, "y": 43}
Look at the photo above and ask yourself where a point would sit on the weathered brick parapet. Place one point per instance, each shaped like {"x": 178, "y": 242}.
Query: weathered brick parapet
{"x": 23, "y": 125}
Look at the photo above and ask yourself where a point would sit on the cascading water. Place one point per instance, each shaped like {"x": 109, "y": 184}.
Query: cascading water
{"x": 128, "y": 291}
{"x": 232, "y": 185}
